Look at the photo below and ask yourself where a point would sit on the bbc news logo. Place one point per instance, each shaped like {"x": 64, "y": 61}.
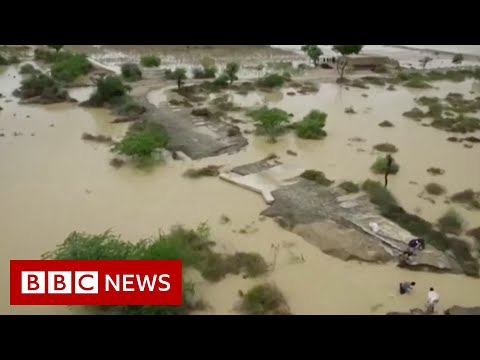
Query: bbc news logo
{"x": 95, "y": 282}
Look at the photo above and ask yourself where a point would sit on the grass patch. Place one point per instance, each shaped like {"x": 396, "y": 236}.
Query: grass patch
{"x": 349, "y": 187}
{"x": 451, "y": 222}
{"x": 311, "y": 127}
{"x": 150, "y": 61}
{"x": 131, "y": 72}
{"x": 374, "y": 80}
{"x": 316, "y": 176}
{"x": 386, "y": 147}
{"x": 264, "y": 299}
{"x": 210, "y": 171}
{"x": 271, "y": 81}
{"x": 434, "y": 189}
{"x": 386, "y": 123}
{"x": 380, "y": 166}
{"x": 70, "y": 68}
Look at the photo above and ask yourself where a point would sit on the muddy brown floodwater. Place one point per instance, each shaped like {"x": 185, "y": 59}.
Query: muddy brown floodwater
{"x": 53, "y": 183}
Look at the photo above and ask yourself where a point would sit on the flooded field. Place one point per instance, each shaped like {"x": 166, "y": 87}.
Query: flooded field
{"x": 53, "y": 183}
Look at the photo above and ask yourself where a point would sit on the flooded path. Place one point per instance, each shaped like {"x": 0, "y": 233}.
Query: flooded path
{"x": 53, "y": 183}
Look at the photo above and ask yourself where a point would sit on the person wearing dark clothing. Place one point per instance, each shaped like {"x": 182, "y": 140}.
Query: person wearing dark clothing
{"x": 413, "y": 245}
{"x": 389, "y": 168}
{"x": 406, "y": 287}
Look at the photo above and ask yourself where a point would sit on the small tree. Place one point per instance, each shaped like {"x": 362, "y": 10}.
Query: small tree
{"x": 131, "y": 72}
{"x": 270, "y": 121}
{"x": 142, "y": 143}
{"x": 231, "y": 71}
{"x": 345, "y": 50}
{"x": 313, "y": 52}
{"x": 150, "y": 61}
{"x": 311, "y": 127}
{"x": 424, "y": 61}
{"x": 180, "y": 74}
{"x": 57, "y": 48}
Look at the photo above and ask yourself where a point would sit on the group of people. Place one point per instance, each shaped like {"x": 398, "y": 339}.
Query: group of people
{"x": 406, "y": 287}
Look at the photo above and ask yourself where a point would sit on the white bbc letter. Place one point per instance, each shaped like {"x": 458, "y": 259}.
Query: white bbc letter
{"x": 166, "y": 283}
{"x": 115, "y": 284}
{"x": 129, "y": 282}
{"x": 59, "y": 282}
{"x": 33, "y": 282}
{"x": 86, "y": 282}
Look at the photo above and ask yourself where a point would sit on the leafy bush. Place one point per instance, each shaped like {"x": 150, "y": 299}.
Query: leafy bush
{"x": 69, "y": 69}
{"x": 271, "y": 80}
{"x": 379, "y": 195}
{"x": 270, "y": 121}
{"x": 109, "y": 89}
{"x": 349, "y": 187}
{"x": 28, "y": 69}
{"x": 265, "y": 299}
{"x": 316, "y": 176}
{"x": 131, "y": 72}
{"x": 150, "y": 61}
{"x": 434, "y": 189}
{"x": 141, "y": 144}
{"x": 457, "y": 59}
{"x": 49, "y": 56}
{"x": 41, "y": 85}
{"x": 386, "y": 147}
{"x": 311, "y": 127}
{"x": 207, "y": 72}
{"x": 415, "y": 113}
{"x": 386, "y": 123}
{"x": 313, "y": 52}
{"x": 221, "y": 81}
{"x": 451, "y": 222}
{"x": 435, "y": 171}
{"x": 380, "y": 166}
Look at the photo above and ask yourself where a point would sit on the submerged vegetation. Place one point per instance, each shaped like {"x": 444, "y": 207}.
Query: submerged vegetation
{"x": 210, "y": 171}
{"x": 311, "y": 127}
{"x": 192, "y": 247}
{"x": 316, "y": 176}
{"x": 380, "y": 166}
{"x": 131, "y": 72}
{"x": 349, "y": 187}
{"x": 434, "y": 189}
{"x": 451, "y": 222}
{"x": 150, "y": 61}
{"x": 264, "y": 299}
{"x": 70, "y": 68}
{"x": 42, "y": 89}
{"x": 386, "y": 147}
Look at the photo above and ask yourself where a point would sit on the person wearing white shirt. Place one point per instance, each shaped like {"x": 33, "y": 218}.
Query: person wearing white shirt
{"x": 432, "y": 300}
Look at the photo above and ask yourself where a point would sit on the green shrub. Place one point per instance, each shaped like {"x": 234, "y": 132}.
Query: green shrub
{"x": 316, "y": 176}
{"x": 349, "y": 187}
{"x": 265, "y": 299}
{"x": 221, "y": 81}
{"x": 386, "y": 147}
{"x": 69, "y": 69}
{"x": 141, "y": 144}
{"x": 231, "y": 71}
{"x": 130, "y": 108}
{"x": 434, "y": 189}
{"x": 311, "y": 127}
{"x": 49, "y": 56}
{"x": 381, "y": 164}
{"x": 435, "y": 171}
{"x": 108, "y": 90}
{"x": 150, "y": 61}
{"x": 28, "y": 69}
{"x": 270, "y": 121}
{"x": 457, "y": 59}
{"x": 271, "y": 81}
{"x": 3, "y": 60}
{"x": 451, "y": 222}
{"x": 41, "y": 85}
{"x": 215, "y": 267}
{"x": 386, "y": 123}
{"x": 131, "y": 72}
{"x": 415, "y": 113}
{"x": 207, "y": 72}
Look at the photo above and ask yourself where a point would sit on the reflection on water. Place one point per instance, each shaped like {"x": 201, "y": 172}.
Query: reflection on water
{"x": 45, "y": 178}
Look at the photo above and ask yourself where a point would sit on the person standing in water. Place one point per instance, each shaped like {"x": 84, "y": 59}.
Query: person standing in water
{"x": 389, "y": 168}
{"x": 406, "y": 287}
{"x": 432, "y": 300}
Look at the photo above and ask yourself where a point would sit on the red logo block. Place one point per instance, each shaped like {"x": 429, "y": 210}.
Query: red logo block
{"x": 95, "y": 282}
